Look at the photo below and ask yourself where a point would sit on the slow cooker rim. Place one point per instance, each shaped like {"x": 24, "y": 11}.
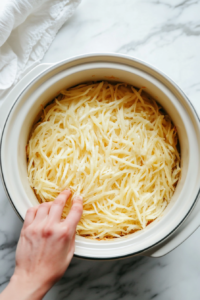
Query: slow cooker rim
{"x": 89, "y": 55}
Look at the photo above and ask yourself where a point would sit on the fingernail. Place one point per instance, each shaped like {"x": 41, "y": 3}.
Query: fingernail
{"x": 67, "y": 190}
{"x": 78, "y": 198}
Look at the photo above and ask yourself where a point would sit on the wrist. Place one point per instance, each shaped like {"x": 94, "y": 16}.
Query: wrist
{"x": 25, "y": 288}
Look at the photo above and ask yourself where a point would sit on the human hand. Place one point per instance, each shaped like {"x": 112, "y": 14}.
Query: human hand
{"x": 45, "y": 247}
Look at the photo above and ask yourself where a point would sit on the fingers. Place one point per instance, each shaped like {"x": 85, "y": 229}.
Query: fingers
{"x": 54, "y": 211}
{"x": 75, "y": 214}
{"x": 42, "y": 211}
{"x": 58, "y": 205}
{"x": 30, "y": 215}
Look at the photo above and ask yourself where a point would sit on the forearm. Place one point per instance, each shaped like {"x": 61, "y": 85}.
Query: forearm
{"x": 23, "y": 289}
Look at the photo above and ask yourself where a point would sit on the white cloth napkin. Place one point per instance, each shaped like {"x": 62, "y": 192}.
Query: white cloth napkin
{"x": 27, "y": 28}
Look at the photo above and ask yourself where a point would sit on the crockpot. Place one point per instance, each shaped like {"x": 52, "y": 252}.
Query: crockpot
{"x": 42, "y": 84}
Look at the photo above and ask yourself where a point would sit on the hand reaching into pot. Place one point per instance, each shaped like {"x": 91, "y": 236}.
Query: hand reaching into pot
{"x": 45, "y": 248}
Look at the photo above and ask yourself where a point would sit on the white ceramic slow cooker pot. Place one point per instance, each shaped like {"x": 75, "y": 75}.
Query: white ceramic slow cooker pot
{"x": 42, "y": 84}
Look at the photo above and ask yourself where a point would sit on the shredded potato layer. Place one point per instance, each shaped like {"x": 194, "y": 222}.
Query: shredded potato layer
{"x": 114, "y": 145}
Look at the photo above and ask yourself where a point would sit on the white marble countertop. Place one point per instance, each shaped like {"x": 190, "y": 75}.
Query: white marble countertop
{"x": 165, "y": 33}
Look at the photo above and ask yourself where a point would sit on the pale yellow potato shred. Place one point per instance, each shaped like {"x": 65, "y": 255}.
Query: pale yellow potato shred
{"x": 112, "y": 144}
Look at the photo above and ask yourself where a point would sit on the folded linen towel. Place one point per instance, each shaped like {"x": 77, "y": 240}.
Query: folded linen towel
{"x": 27, "y": 28}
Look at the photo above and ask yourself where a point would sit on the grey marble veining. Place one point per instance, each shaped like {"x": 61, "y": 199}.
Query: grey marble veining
{"x": 165, "y": 33}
